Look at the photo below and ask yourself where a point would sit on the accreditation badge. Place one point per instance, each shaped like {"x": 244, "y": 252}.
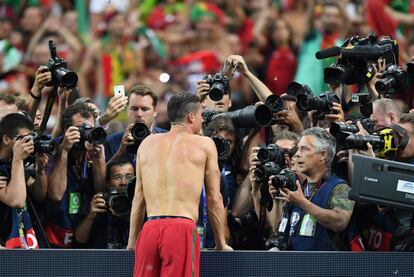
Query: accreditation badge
{"x": 308, "y": 226}
{"x": 74, "y": 203}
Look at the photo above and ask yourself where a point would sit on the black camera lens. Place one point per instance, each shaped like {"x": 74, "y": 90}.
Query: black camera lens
{"x": 385, "y": 85}
{"x": 216, "y": 92}
{"x": 66, "y": 78}
{"x": 95, "y": 135}
{"x": 139, "y": 132}
{"x": 338, "y": 127}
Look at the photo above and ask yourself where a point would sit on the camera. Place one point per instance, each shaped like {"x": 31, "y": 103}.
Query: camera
{"x": 339, "y": 127}
{"x": 117, "y": 201}
{"x": 61, "y": 75}
{"x": 240, "y": 223}
{"x": 42, "y": 144}
{"x": 264, "y": 171}
{"x": 248, "y": 117}
{"x": 393, "y": 80}
{"x": 223, "y": 147}
{"x": 356, "y": 58}
{"x": 285, "y": 179}
{"x": 219, "y": 84}
{"x": 383, "y": 142}
{"x": 322, "y": 104}
{"x": 271, "y": 153}
{"x": 94, "y": 135}
{"x": 139, "y": 132}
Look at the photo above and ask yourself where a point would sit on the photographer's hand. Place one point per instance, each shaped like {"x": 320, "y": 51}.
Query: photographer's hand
{"x": 43, "y": 77}
{"x": 338, "y": 116}
{"x": 203, "y": 89}
{"x": 41, "y": 162}
{"x": 291, "y": 119}
{"x": 95, "y": 151}
{"x": 296, "y": 197}
{"x": 23, "y": 148}
{"x": 378, "y": 69}
{"x": 238, "y": 62}
{"x": 98, "y": 205}
{"x": 115, "y": 106}
{"x": 127, "y": 139}
{"x": 3, "y": 182}
{"x": 71, "y": 137}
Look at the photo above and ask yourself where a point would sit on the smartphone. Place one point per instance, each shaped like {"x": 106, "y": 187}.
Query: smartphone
{"x": 119, "y": 90}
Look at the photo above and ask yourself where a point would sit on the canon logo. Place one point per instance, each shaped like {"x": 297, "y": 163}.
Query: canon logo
{"x": 366, "y": 178}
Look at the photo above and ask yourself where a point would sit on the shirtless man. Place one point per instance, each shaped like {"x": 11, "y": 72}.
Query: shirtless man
{"x": 171, "y": 169}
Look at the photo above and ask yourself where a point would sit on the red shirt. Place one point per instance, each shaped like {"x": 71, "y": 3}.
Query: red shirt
{"x": 280, "y": 70}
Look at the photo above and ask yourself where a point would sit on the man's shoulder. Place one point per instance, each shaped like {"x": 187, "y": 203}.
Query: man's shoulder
{"x": 158, "y": 130}
{"x": 115, "y": 136}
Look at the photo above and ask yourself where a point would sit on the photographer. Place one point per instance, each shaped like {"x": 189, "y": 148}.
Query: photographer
{"x": 319, "y": 210}
{"x": 385, "y": 112}
{"x": 103, "y": 227}
{"x": 385, "y": 228}
{"x": 15, "y": 147}
{"x": 75, "y": 173}
{"x": 286, "y": 141}
{"x": 142, "y": 107}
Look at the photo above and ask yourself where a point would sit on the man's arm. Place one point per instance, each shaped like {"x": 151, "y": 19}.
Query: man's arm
{"x": 215, "y": 208}
{"x": 97, "y": 154}
{"x": 261, "y": 90}
{"x": 57, "y": 181}
{"x": 83, "y": 231}
{"x": 138, "y": 207}
{"x": 38, "y": 186}
{"x": 336, "y": 219}
{"x": 14, "y": 195}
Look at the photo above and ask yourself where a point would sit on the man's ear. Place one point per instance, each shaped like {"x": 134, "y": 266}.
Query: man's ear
{"x": 324, "y": 155}
{"x": 5, "y": 140}
{"x": 155, "y": 111}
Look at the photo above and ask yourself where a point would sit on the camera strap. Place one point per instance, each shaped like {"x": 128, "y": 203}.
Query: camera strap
{"x": 48, "y": 109}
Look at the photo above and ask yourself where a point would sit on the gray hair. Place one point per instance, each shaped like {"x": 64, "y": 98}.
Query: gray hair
{"x": 386, "y": 105}
{"x": 324, "y": 141}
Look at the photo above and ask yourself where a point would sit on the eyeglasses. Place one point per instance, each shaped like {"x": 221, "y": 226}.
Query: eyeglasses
{"x": 119, "y": 177}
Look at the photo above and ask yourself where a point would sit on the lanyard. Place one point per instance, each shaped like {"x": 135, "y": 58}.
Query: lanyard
{"x": 21, "y": 229}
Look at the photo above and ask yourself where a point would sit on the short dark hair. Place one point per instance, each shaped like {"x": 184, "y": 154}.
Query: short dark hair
{"x": 142, "y": 91}
{"x": 219, "y": 124}
{"x": 8, "y": 99}
{"x": 83, "y": 109}
{"x": 117, "y": 161}
{"x": 182, "y": 104}
{"x": 11, "y": 123}
{"x": 286, "y": 135}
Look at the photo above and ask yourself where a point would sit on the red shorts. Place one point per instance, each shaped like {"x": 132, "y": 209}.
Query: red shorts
{"x": 168, "y": 247}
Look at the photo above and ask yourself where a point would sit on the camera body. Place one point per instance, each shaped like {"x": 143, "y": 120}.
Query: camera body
{"x": 117, "y": 201}
{"x": 393, "y": 80}
{"x": 356, "y": 58}
{"x": 61, "y": 75}
{"x": 219, "y": 84}
{"x": 139, "y": 132}
{"x": 223, "y": 148}
{"x": 271, "y": 153}
{"x": 42, "y": 144}
{"x": 94, "y": 135}
{"x": 322, "y": 104}
{"x": 285, "y": 179}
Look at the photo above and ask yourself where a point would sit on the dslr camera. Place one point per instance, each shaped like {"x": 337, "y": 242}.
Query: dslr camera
{"x": 117, "y": 201}
{"x": 219, "y": 84}
{"x": 94, "y": 135}
{"x": 139, "y": 132}
{"x": 223, "y": 148}
{"x": 285, "y": 179}
{"x": 61, "y": 75}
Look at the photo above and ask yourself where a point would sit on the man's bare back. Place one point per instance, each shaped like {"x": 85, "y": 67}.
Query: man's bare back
{"x": 172, "y": 169}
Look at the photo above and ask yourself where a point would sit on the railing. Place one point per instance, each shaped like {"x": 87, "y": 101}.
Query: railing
{"x": 59, "y": 263}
